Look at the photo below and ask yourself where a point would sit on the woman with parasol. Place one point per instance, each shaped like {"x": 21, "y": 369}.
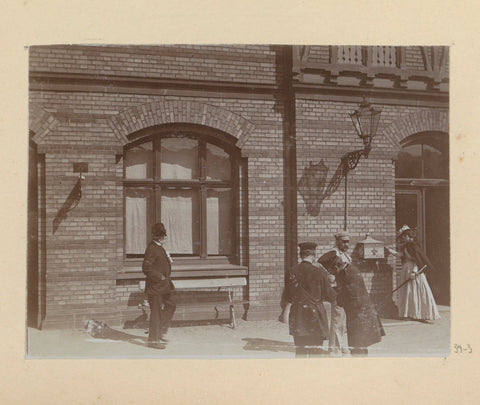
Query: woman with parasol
{"x": 415, "y": 298}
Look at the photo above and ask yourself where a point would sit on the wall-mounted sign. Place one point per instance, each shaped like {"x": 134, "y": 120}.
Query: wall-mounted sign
{"x": 80, "y": 167}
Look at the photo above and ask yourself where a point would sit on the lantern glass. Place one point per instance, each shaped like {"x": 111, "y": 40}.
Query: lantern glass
{"x": 365, "y": 120}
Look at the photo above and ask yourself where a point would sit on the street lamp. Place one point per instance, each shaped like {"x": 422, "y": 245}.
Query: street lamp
{"x": 365, "y": 120}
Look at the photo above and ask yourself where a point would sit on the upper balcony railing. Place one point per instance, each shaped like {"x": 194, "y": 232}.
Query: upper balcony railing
{"x": 366, "y": 56}
{"x": 371, "y": 61}
{"x": 353, "y": 55}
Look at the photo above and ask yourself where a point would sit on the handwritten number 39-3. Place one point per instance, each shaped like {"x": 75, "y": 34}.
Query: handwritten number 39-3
{"x": 459, "y": 349}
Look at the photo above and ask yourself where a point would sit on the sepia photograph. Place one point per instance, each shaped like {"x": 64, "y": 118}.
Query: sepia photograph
{"x": 252, "y": 202}
{"x": 238, "y": 201}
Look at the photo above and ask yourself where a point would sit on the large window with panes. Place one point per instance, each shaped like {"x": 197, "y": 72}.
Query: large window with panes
{"x": 188, "y": 181}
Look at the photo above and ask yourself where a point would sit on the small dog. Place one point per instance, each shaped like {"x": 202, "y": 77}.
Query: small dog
{"x": 97, "y": 329}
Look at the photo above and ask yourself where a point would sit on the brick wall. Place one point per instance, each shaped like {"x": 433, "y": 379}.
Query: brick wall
{"x": 414, "y": 58}
{"x": 319, "y": 54}
{"x": 86, "y": 251}
{"x": 325, "y": 133}
{"x": 91, "y": 124}
{"x": 247, "y": 63}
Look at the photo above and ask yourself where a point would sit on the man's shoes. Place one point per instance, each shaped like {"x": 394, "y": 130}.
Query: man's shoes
{"x": 163, "y": 339}
{"x": 155, "y": 345}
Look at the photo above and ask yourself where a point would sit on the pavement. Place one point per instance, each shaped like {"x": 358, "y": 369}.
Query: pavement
{"x": 249, "y": 340}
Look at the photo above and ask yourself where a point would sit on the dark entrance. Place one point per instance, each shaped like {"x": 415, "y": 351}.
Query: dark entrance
{"x": 422, "y": 202}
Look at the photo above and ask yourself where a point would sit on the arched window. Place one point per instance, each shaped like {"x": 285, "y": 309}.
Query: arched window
{"x": 187, "y": 180}
{"x": 423, "y": 156}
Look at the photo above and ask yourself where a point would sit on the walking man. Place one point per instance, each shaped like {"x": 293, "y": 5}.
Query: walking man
{"x": 157, "y": 266}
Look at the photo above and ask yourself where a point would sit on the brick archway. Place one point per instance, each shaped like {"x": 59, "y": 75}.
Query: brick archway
{"x": 40, "y": 122}
{"x": 420, "y": 121}
{"x": 136, "y": 118}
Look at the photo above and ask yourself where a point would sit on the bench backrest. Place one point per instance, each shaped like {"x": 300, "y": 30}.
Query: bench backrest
{"x": 192, "y": 284}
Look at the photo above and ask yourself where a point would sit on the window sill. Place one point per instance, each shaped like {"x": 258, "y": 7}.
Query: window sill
{"x": 134, "y": 271}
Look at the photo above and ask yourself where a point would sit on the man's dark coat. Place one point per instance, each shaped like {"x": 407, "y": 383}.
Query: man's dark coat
{"x": 307, "y": 286}
{"x": 363, "y": 324}
{"x": 158, "y": 269}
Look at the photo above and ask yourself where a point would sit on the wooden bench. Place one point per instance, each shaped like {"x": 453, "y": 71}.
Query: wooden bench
{"x": 224, "y": 283}
{"x": 220, "y": 277}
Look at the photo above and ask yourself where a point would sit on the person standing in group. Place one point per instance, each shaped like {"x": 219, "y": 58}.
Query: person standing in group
{"x": 306, "y": 288}
{"x": 157, "y": 266}
{"x": 334, "y": 260}
{"x": 354, "y": 312}
{"x": 364, "y": 327}
{"x": 415, "y": 298}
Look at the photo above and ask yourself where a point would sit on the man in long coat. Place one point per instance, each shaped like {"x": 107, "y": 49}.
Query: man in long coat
{"x": 158, "y": 287}
{"x": 363, "y": 323}
{"x": 307, "y": 287}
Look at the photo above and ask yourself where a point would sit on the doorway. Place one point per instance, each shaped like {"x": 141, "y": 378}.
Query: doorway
{"x": 422, "y": 203}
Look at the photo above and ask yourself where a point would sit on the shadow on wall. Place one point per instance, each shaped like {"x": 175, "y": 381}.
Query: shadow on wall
{"x": 70, "y": 203}
{"x": 312, "y": 186}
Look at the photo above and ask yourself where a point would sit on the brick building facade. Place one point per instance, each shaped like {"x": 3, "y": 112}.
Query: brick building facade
{"x": 275, "y": 117}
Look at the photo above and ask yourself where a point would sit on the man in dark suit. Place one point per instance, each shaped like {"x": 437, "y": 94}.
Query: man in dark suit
{"x": 306, "y": 288}
{"x": 157, "y": 266}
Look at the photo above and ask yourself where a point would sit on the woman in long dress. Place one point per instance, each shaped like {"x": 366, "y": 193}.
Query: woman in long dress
{"x": 415, "y": 299}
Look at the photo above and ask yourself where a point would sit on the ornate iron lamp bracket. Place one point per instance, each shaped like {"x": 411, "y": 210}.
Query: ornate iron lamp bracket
{"x": 351, "y": 159}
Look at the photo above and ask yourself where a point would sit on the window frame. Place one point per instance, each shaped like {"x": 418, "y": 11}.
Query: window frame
{"x": 204, "y": 136}
{"x": 436, "y": 140}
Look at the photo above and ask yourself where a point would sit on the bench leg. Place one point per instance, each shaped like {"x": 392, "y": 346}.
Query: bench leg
{"x": 232, "y": 309}
{"x": 232, "y": 316}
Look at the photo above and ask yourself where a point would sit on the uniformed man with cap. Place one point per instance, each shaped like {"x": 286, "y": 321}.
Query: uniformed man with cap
{"x": 307, "y": 286}
{"x": 335, "y": 260}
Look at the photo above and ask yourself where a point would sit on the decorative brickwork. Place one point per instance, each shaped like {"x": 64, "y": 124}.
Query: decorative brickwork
{"x": 160, "y": 112}
{"x": 414, "y": 123}
{"x": 41, "y": 123}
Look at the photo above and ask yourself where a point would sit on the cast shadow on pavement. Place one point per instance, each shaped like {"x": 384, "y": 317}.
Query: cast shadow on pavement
{"x": 260, "y": 344}
{"x": 112, "y": 334}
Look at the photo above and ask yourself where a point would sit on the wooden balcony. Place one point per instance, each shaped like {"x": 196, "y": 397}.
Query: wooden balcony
{"x": 415, "y": 68}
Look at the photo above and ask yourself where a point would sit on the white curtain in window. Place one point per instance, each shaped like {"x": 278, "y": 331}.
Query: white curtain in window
{"x": 213, "y": 226}
{"x": 138, "y": 162}
{"x": 219, "y": 222}
{"x": 136, "y": 222}
{"x": 218, "y": 163}
{"x": 179, "y": 158}
{"x": 178, "y": 218}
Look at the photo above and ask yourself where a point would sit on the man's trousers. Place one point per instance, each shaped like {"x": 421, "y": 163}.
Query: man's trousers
{"x": 162, "y": 308}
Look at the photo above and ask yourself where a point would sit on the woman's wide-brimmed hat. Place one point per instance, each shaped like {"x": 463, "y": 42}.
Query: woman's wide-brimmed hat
{"x": 403, "y": 229}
